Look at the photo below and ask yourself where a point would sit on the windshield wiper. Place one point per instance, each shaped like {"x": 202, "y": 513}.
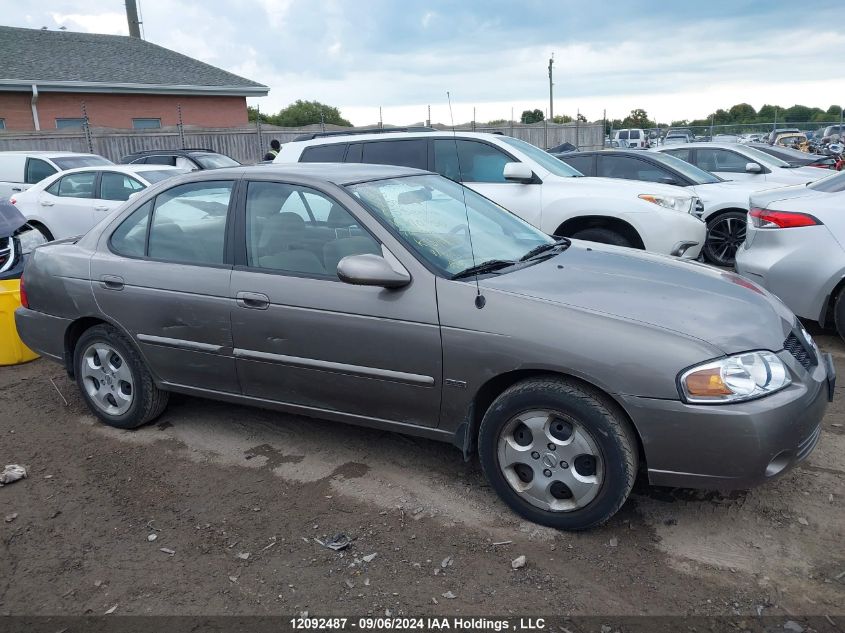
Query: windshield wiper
{"x": 484, "y": 267}
{"x": 542, "y": 248}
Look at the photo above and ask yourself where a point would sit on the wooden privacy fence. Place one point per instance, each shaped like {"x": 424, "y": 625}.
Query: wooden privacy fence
{"x": 249, "y": 144}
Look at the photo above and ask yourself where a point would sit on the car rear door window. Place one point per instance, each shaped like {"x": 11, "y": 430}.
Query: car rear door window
{"x": 354, "y": 153}
{"x": 469, "y": 161}
{"x": 404, "y": 153}
{"x": 584, "y": 164}
{"x": 323, "y": 153}
{"x": 161, "y": 160}
{"x": 37, "y": 170}
{"x": 298, "y": 230}
{"x": 713, "y": 159}
{"x": 189, "y": 223}
{"x": 115, "y": 186}
{"x": 635, "y": 134}
{"x": 76, "y": 185}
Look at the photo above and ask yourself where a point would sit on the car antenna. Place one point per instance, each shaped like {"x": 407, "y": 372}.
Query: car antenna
{"x": 479, "y": 298}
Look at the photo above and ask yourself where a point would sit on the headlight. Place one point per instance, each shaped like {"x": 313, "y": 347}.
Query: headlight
{"x": 676, "y": 203}
{"x": 734, "y": 379}
{"x": 28, "y": 239}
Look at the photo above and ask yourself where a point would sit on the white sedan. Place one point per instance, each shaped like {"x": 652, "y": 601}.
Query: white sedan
{"x": 71, "y": 202}
{"x": 735, "y": 161}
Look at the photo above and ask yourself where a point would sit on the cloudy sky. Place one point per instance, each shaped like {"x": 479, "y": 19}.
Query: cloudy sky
{"x": 676, "y": 59}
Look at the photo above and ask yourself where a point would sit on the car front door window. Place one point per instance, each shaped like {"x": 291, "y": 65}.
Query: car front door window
{"x": 37, "y": 170}
{"x": 721, "y": 160}
{"x": 469, "y": 161}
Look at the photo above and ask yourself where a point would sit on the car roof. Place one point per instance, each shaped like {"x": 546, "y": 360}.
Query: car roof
{"x": 337, "y": 173}
{"x": 609, "y": 151}
{"x": 126, "y": 169}
{"x": 706, "y": 144}
{"x": 47, "y": 153}
{"x": 170, "y": 150}
{"x": 357, "y": 138}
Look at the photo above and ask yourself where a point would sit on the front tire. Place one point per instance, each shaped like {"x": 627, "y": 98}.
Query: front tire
{"x": 602, "y": 236}
{"x": 558, "y": 453}
{"x": 725, "y": 234}
{"x": 114, "y": 380}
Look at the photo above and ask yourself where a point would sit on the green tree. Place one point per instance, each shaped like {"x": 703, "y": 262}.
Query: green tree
{"x": 833, "y": 111}
{"x": 798, "y": 113}
{"x": 637, "y": 118}
{"x": 742, "y": 113}
{"x": 582, "y": 118}
{"x": 532, "y": 116}
{"x": 496, "y": 122}
{"x": 766, "y": 114}
{"x": 562, "y": 118}
{"x": 307, "y": 112}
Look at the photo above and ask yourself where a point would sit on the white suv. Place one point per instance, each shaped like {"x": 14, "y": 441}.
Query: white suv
{"x": 531, "y": 183}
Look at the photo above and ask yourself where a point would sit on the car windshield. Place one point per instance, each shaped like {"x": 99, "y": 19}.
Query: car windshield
{"x": 698, "y": 176}
{"x": 831, "y": 184}
{"x": 157, "y": 175}
{"x": 72, "y": 162}
{"x": 544, "y": 159}
{"x": 214, "y": 161}
{"x": 430, "y": 214}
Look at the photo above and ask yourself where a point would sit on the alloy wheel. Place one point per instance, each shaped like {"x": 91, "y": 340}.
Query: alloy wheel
{"x": 724, "y": 238}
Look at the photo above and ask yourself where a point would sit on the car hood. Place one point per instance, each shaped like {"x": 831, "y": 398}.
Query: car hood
{"x": 693, "y": 300}
{"x": 11, "y": 219}
{"x": 628, "y": 187}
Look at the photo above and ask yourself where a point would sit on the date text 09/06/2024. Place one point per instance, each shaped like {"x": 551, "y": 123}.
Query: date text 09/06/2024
{"x": 417, "y": 624}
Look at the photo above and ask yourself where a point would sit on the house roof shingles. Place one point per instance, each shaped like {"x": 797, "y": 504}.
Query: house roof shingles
{"x": 64, "y": 60}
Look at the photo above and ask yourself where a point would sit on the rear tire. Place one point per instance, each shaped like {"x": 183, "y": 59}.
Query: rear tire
{"x": 725, "y": 235}
{"x": 839, "y": 313}
{"x": 603, "y": 236}
{"x": 114, "y": 380}
{"x": 558, "y": 453}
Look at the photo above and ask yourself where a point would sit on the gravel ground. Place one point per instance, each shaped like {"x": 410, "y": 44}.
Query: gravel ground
{"x": 216, "y": 509}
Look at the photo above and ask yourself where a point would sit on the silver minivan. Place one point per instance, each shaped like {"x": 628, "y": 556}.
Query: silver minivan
{"x": 20, "y": 170}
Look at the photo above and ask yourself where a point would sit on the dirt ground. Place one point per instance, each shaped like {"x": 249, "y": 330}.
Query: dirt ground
{"x": 239, "y": 496}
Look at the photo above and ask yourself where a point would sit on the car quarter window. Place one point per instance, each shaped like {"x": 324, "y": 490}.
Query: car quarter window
{"x": 76, "y": 185}
{"x": 323, "y": 153}
{"x": 115, "y": 186}
{"x": 37, "y": 170}
{"x": 469, "y": 161}
{"x": 404, "y": 153}
{"x": 299, "y": 230}
{"x": 161, "y": 160}
{"x": 711, "y": 159}
{"x": 189, "y": 223}
{"x": 683, "y": 154}
{"x": 130, "y": 238}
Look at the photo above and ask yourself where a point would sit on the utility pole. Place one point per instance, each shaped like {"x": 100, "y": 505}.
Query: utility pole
{"x": 551, "y": 89}
{"x": 132, "y": 19}
{"x": 428, "y": 120}
{"x": 380, "y": 120}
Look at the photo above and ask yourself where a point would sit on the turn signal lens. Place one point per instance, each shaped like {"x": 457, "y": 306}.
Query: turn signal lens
{"x": 765, "y": 219}
{"x": 24, "y": 298}
{"x": 735, "y": 378}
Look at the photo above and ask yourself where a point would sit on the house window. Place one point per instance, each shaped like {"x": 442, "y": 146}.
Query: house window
{"x": 146, "y": 124}
{"x": 69, "y": 123}
{"x": 2, "y": 124}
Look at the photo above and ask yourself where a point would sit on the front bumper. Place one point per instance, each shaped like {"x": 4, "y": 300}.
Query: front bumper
{"x": 738, "y": 446}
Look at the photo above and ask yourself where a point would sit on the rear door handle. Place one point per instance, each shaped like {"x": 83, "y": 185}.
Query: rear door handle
{"x": 253, "y": 300}
{"x": 101, "y": 208}
{"x": 17, "y": 189}
{"x": 111, "y": 282}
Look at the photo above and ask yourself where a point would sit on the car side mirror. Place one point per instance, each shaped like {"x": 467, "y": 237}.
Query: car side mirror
{"x": 371, "y": 270}
{"x": 753, "y": 168}
{"x": 518, "y": 172}
{"x": 667, "y": 180}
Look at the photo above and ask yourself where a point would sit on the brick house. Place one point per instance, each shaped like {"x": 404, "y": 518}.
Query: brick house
{"x": 52, "y": 79}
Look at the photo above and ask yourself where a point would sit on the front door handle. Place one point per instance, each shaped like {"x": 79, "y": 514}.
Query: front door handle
{"x": 17, "y": 189}
{"x": 101, "y": 208}
{"x": 111, "y": 282}
{"x": 46, "y": 203}
{"x": 253, "y": 300}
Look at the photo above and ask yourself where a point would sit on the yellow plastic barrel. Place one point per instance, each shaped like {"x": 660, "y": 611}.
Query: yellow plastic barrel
{"x": 12, "y": 349}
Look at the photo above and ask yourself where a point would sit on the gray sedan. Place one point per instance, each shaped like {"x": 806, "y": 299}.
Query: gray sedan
{"x": 794, "y": 247}
{"x": 395, "y": 298}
